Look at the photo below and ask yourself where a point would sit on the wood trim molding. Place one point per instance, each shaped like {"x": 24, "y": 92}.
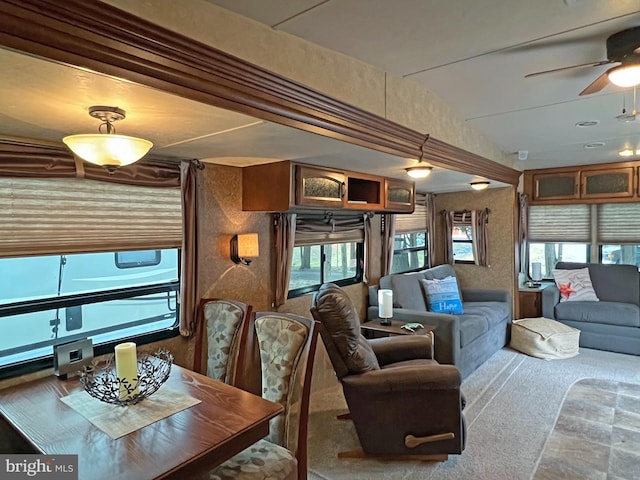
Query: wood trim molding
{"x": 103, "y": 38}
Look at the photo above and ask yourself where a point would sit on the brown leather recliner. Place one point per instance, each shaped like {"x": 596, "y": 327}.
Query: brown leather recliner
{"x": 402, "y": 402}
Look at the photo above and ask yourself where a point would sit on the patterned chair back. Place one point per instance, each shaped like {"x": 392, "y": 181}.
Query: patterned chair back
{"x": 287, "y": 345}
{"x": 218, "y": 347}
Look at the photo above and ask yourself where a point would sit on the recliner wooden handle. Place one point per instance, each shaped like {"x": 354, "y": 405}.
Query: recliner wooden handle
{"x": 412, "y": 441}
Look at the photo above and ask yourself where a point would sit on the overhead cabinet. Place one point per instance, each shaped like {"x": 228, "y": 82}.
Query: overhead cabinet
{"x": 592, "y": 183}
{"x": 280, "y": 186}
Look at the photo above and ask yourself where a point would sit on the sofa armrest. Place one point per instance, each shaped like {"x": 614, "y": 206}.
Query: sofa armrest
{"x": 373, "y": 296}
{"x": 446, "y": 333}
{"x": 550, "y": 298}
{"x": 484, "y": 295}
{"x": 400, "y": 348}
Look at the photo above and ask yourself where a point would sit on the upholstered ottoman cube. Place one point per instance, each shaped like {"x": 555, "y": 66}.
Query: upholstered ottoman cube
{"x": 544, "y": 338}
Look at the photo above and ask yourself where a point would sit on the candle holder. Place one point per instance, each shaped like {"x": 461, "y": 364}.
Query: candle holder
{"x": 101, "y": 382}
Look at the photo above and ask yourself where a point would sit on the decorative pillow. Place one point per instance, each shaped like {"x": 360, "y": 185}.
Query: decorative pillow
{"x": 575, "y": 285}
{"x": 442, "y": 295}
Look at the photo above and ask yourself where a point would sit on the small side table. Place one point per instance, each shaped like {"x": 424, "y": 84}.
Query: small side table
{"x": 530, "y": 301}
{"x": 374, "y": 329}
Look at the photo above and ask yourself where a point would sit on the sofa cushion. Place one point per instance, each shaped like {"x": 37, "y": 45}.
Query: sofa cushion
{"x": 407, "y": 292}
{"x": 574, "y": 285}
{"x": 341, "y": 320}
{"x": 495, "y": 312}
{"x": 442, "y": 295}
{"x": 472, "y": 327}
{"x": 609, "y": 313}
{"x": 612, "y": 283}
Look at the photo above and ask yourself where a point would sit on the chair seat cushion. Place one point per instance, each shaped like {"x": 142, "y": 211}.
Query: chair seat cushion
{"x": 262, "y": 460}
{"x": 544, "y": 338}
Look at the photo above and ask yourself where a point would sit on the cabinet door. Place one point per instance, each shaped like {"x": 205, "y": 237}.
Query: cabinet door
{"x": 530, "y": 304}
{"x": 612, "y": 183}
{"x": 552, "y": 186}
{"x": 319, "y": 187}
{"x": 399, "y": 196}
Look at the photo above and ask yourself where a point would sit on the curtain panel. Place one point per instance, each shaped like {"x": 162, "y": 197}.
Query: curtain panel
{"x": 285, "y": 237}
{"x": 523, "y": 234}
{"x": 189, "y": 252}
{"x": 388, "y": 237}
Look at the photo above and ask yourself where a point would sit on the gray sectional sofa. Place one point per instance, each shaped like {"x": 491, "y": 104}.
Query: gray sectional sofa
{"x": 613, "y": 322}
{"x": 466, "y": 340}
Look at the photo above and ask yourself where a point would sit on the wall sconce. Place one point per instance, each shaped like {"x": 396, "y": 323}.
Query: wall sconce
{"x": 108, "y": 149}
{"x": 480, "y": 185}
{"x": 243, "y": 247}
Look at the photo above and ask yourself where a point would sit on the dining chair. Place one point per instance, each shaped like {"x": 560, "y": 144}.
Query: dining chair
{"x": 287, "y": 346}
{"x": 222, "y": 326}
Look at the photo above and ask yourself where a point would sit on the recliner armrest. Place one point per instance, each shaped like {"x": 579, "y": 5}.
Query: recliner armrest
{"x": 412, "y": 378}
{"x": 400, "y": 348}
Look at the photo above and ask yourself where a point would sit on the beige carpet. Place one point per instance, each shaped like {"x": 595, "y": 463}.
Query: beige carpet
{"x": 597, "y": 434}
{"x": 513, "y": 403}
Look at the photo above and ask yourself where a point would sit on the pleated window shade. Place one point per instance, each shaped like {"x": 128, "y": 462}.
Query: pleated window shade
{"x": 68, "y": 215}
{"x": 414, "y": 222}
{"x": 560, "y": 223}
{"x": 617, "y": 223}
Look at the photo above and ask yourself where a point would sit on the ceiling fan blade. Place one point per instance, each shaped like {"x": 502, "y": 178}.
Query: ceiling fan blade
{"x": 597, "y": 85}
{"x": 592, "y": 64}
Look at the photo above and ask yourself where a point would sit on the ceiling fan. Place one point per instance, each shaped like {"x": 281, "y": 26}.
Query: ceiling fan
{"x": 622, "y": 48}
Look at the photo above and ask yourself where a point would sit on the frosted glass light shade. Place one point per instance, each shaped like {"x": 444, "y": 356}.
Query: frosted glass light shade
{"x": 625, "y": 76}
{"x": 419, "y": 172}
{"x": 108, "y": 150}
{"x": 385, "y": 303}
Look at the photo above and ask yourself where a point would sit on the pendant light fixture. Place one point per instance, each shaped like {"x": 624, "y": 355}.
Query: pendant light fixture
{"x": 106, "y": 148}
{"x": 421, "y": 170}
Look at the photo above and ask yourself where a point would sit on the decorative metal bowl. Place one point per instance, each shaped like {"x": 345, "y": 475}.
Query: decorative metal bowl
{"x": 101, "y": 382}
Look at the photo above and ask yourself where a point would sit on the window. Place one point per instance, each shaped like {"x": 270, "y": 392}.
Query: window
{"x": 409, "y": 252}
{"x": 410, "y": 243}
{"x": 605, "y": 233}
{"x": 83, "y": 258}
{"x": 328, "y": 248}
{"x": 82, "y": 296}
{"x": 462, "y": 237}
{"x": 313, "y": 265}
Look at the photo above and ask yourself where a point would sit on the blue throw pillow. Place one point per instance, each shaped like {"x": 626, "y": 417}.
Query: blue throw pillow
{"x": 443, "y": 295}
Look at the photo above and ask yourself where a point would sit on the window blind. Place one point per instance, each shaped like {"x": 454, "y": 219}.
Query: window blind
{"x": 618, "y": 223}
{"x": 559, "y": 223}
{"x": 70, "y": 215}
{"x": 414, "y": 222}
{"x": 316, "y": 230}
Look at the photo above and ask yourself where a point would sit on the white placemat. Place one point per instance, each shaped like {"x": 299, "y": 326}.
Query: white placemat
{"x": 117, "y": 421}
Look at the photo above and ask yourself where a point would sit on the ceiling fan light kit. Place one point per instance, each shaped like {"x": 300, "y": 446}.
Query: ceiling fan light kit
{"x": 108, "y": 149}
{"x": 625, "y": 75}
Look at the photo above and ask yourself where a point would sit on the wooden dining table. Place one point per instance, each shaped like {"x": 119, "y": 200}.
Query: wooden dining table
{"x": 225, "y": 421}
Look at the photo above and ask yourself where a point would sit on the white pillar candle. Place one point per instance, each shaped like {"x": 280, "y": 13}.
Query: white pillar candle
{"x": 127, "y": 368}
{"x": 385, "y": 303}
{"x": 536, "y": 271}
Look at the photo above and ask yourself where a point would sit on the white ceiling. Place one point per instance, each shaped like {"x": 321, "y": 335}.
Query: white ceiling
{"x": 474, "y": 54}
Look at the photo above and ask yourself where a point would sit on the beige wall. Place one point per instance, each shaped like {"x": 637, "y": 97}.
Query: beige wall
{"x": 345, "y": 78}
{"x": 500, "y": 201}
